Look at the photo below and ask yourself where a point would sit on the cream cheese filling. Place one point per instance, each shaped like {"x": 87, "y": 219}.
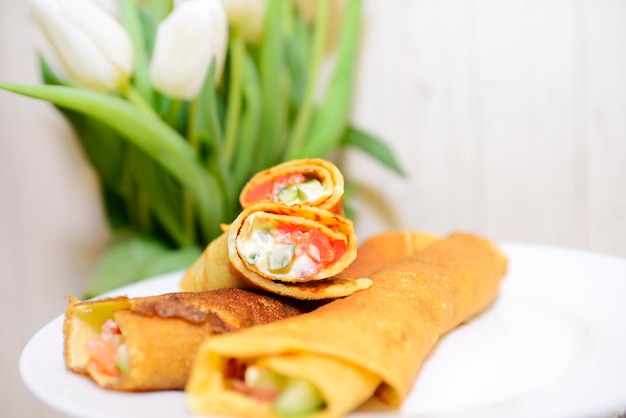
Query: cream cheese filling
{"x": 259, "y": 249}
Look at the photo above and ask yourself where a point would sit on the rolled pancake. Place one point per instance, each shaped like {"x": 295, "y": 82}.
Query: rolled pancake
{"x": 373, "y": 341}
{"x": 225, "y": 262}
{"x": 267, "y": 185}
{"x": 385, "y": 249}
{"x": 162, "y": 333}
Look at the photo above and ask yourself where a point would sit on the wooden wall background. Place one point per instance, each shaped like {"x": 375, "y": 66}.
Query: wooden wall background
{"x": 508, "y": 115}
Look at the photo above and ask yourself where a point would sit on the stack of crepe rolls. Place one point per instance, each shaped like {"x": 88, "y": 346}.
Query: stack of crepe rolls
{"x": 295, "y": 251}
{"x": 328, "y": 362}
{"x": 309, "y": 181}
{"x": 143, "y": 344}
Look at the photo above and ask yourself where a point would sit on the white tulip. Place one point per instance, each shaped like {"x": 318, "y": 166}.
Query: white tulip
{"x": 187, "y": 40}
{"x": 93, "y": 47}
{"x": 112, "y": 7}
{"x": 247, "y": 16}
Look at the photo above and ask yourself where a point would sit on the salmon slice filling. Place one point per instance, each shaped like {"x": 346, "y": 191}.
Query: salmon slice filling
{"x": 289, "y": 189}
{"x": 289, "y": 396}
{"x": 107, "y": 352}
{"x": 288, "y": 251}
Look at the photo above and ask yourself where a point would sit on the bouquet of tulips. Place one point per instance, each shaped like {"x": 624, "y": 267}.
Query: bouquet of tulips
{"x": 177, "y": 104}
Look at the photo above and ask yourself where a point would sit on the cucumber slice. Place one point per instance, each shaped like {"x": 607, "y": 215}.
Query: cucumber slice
{"x": 287, "y": 195}
{"x": 122, "y": 360}
{"x": 252, "y": 257}
{"x": 263, "y": 377}
{"x": 300, "y": 397}
{"x": 280, "y": 256}
{"x": 262, "y": 238}
{"x": 310, "y": 190}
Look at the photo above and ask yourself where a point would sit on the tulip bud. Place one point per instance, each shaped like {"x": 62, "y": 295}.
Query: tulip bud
{"x": 247, "y": 16}
{"x": 194, "y": 33}
{"x": 92, "y": 46}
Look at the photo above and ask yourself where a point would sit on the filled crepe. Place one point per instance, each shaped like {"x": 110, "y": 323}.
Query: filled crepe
{"x": 385, "y": 249}
{"x": 295, "y": 251}
{"x": 328, "y": 362}
{"x": 141, "y": 344}
{"x": 308, "y": 181}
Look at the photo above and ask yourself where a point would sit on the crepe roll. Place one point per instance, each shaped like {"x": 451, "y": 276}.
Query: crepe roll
{"x": 145, "y": 344}
{"x": 296, "y": 251}
{"x": 309, "y": 181}
{"x": 326, "y": 363}
{"x": 385, "y": 249}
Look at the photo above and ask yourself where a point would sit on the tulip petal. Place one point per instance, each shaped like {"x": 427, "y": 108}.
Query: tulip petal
{"x": 247, "y": 16}
{"x": 105, "y": 33}
{"x": 186, "y": 41}
{"x": 92, "y": 46}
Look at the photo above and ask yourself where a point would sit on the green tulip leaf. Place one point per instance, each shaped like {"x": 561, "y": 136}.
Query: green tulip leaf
{"x": 270, "y": 67}
{"x": 170, "y": 261}
{"x": 149, "y": 133}
{"x": 115, "y": 160}
{"x": 207, "y": 126}
{"x": 237, "y": 56}
{"x": 130, "y": 258}
{"x": 156, "y": 194}
{"x": 132, "y": 21}
{"x": 297, "y": 56}
{"x": 102, "y": 145}
{"x": 250, "y": 122}
{"x": 116, "y": 209}
{"x": 350, "y": 190}
{"x": 331, "y": 119}
{"x": 306, "y": 109}
{"x": 374, "y": 147}
{"x": 106, "y": 152}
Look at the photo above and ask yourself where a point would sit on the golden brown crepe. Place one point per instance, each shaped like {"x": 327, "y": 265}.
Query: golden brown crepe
{"x": 266, "y": 185}
{"x": 372, "y": 341}
{"x": 162, "y": 332}
{"x": 385, "y": 249}
{"x": 231, "y": 260}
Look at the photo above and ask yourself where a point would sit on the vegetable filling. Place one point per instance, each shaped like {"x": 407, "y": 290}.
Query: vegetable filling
{"x": 108, "y": 354}
{"x": 289, "y": 189}
{"x": 290, "y": 251}
{"x": 289, "y": 396}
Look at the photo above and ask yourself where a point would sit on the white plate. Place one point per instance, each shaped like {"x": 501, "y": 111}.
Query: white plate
{"x": 553, "y": 345}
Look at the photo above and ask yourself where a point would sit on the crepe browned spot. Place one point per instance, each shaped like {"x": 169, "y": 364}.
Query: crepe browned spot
{"x": 162, "y": 333}
{"x": 374, "y": 341}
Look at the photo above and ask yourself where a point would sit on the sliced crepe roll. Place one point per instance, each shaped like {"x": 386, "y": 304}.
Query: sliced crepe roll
{"x": 294, "y": 251}
{"x": 326, "y": 363}
{"x": 308, "y": 181}
{"x": 143, "y": 344}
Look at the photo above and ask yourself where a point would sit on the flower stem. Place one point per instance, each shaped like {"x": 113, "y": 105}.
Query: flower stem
{"x": 238, "y": 55}
{"x": 192, "y": 132}
{"x": 133, "y": 96}
{"x": 332, "y": 115}
{"x": 188, "y": 210}
{"x": 140, "y": 203}
{"x": 303, "y": 119}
